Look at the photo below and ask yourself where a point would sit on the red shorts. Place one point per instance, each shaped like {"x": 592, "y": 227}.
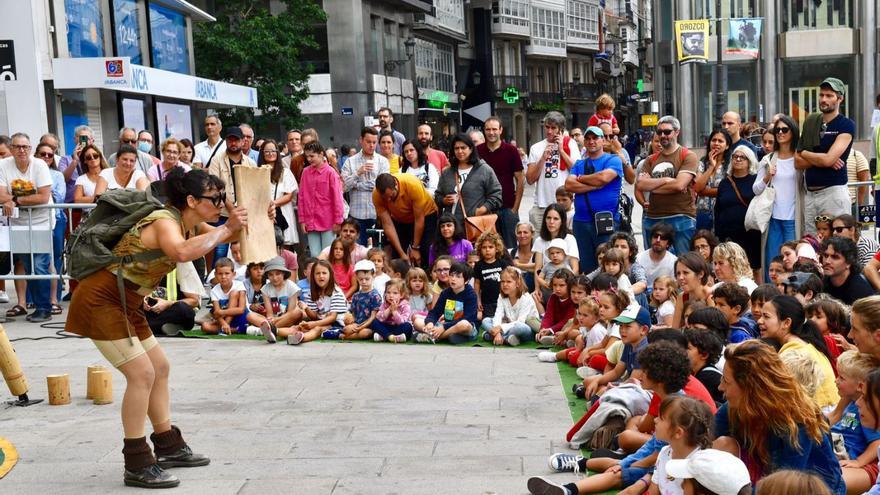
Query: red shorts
{"x": 872, "y": 471}
{"x": 598, "y": 362}
{"x": 572, "y": 354}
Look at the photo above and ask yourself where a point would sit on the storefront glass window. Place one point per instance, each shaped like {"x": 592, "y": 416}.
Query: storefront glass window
{"x": 800, "y": 91}
{"x": 801, "y": 16}
{"x": 85, "y": 28}
{"x": 127, "y": 30}
{"x": 73, "y": 114}
{"x": 741, "y": 95}
{"x": 168, "y": 31}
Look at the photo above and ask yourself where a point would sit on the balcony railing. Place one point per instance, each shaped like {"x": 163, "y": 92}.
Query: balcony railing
{"x": 521, "y": 83}
{"x": 580, "y": 91}
{"x": 545, "y": 98}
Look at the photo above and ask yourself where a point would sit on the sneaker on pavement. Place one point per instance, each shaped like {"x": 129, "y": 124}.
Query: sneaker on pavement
{"x": 564, "y": 463}
{"x": 377, "y": 338}
{"x": 253, "y": 331}
{"x": 4, "y": 297}
{"x": 268, "y": 331}
{"x": 399, "y": 339}
{"x": 422, "y": 338}
{"x": 547, "y": 357}
{"x": 546, "y": 340}
{"x": 295, "y": 338}
{"x": 540, "y": 486}
{"x": 512, "y": 340}
{"x": 586, "y": 372}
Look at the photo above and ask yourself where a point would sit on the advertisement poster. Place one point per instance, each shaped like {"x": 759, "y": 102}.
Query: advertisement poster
{"x": 133, "y": 113}
{"x": 85, "y": 31}
{"x": 168, "y": 31}
{"x": 128, "y": 33}
{"x": 174, "y": 120}
{"x": 692, "y": 40}
{"x": 744, "y": 37}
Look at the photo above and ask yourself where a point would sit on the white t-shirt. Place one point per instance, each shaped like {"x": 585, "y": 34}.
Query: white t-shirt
{"x": 107, "y": 174}
{"x": 785, "y": 183}
{"x": 221, "y": 296}
{"x": 379, "y": 282}
{"x": 540, "y": 246}
{"x": 593, "y": 336}
{"x": 287, "y": 185}
{"x": 280, "y": 298}
{"x": 87, "y": 185}
{"x": 665, "y": 309}
{"x": 667, "y": 485}
{"x": 35, "y": 176}
{"x": 202, "y": 152}
{"x": 239, "y": 270}
{"x": 551, "y": 176}
{"x": 664, "y": 268}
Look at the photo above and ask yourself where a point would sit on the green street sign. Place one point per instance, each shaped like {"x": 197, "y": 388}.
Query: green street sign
{"x": 510, "y": 95}
{"x": 640, "y": 85}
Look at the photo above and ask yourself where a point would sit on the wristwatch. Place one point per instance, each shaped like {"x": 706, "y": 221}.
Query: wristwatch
{"x": 413, "y": 246}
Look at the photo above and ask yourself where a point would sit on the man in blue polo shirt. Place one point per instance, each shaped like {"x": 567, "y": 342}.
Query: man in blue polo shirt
{"x": 595, "y": 181}
{"x": 824, "y": 160}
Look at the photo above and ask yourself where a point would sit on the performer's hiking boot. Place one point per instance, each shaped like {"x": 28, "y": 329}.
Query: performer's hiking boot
{"x": 152, "y": 476}
{"x": 172, "y": 450}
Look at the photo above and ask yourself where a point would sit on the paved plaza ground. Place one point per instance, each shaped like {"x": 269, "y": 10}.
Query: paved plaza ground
{"x": 321, "y": 418}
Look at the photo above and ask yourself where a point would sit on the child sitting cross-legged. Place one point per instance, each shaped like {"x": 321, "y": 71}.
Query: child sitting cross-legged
{"x": 364, "y": 304}
{"x": 854, "y": 443}
{"x": 230, "y": 313}
{"x": 732, "y": 300}
{"x": 454, "y": 316}
{"x": 324, "y": 305}
{"x": 393, "y": 319}
{"x": 421, "y": 299}
{"x": 280, "y": 296}
{"x": 578, "y": 291}
{"x": 515, "y": 319}
{"x": 634, "y": 323}
{"x": 559, "y": 306}
{"x": 591, "y": 334}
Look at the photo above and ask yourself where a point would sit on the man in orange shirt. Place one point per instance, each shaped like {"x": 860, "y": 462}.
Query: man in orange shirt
{"x": 407, "y": 214}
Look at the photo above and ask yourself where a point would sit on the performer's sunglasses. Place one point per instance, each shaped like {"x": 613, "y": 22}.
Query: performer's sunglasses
{"x": 217, "y": 200}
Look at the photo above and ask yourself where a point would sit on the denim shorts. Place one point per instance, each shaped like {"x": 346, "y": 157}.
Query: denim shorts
{"x": 630, "y": 475}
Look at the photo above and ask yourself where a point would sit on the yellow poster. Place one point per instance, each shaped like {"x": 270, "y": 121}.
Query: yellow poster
{"x": 692, "y": 40}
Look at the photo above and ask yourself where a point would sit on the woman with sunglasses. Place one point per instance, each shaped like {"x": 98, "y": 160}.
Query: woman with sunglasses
{"x": 170, "y": 159}
{"x": 786, "y": 223}
{"x": 734, "y": 195}
{"x": 92, "y": 162}
{"x": 284, "y": 186}
{"x": 125, "y": 175}
{"x": 182, "y": 232}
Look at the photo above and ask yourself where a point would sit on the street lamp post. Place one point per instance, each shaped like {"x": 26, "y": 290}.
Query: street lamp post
{"x": 390, "y": 65}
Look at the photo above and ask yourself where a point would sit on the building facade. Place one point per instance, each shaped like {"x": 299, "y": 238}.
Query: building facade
{"x": 802, "y": 43}
{"x": 107, "y": 64}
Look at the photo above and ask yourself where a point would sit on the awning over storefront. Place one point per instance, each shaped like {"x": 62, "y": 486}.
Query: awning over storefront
{"x": 119, "y": 74}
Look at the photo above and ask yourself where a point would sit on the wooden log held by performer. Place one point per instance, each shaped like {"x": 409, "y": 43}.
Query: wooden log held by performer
{"x": 59, "y": 389}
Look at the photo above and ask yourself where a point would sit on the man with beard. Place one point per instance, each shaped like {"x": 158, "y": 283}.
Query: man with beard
{"x": 668, "y": 175}
{"x": 549, "y": 162}
{"x": 823, "y": 149}
{"x": 386, "y": 120}
{"x": 435, "y": 157}
{"x": 504, "y": 160}
{"x": 658, "y": 261}
{"x": 840, "y": 263}
{"x": 221, "y": 166}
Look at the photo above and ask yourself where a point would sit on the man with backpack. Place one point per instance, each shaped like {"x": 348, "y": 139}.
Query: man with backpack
{"x": 668, "y": 175}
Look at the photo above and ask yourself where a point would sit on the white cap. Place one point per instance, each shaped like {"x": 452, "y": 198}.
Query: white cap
{"x": 717, "y": 470}
{"x": 558, "y": 244}
{"x": 365, "y": 266}
{"x": 806, "y": 251}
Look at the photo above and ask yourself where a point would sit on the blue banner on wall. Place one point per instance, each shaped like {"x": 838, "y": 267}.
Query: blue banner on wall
{"x": 128, "y": 31}
{"x": 168, "y": 31}
{"x": 85, "y": 30}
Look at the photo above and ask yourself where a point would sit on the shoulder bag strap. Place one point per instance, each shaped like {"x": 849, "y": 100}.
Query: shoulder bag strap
{"x": 736, "y": 190}
{"x": 460, "y": 200}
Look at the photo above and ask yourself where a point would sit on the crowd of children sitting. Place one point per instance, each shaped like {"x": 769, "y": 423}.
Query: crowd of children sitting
{"x": 668, "y": 410}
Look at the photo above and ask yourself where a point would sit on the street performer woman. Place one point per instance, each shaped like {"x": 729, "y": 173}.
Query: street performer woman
{"x": 181, "y": 232}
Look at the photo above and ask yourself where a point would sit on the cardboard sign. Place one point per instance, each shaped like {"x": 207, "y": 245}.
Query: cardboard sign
{"x": 253, "y": 190}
